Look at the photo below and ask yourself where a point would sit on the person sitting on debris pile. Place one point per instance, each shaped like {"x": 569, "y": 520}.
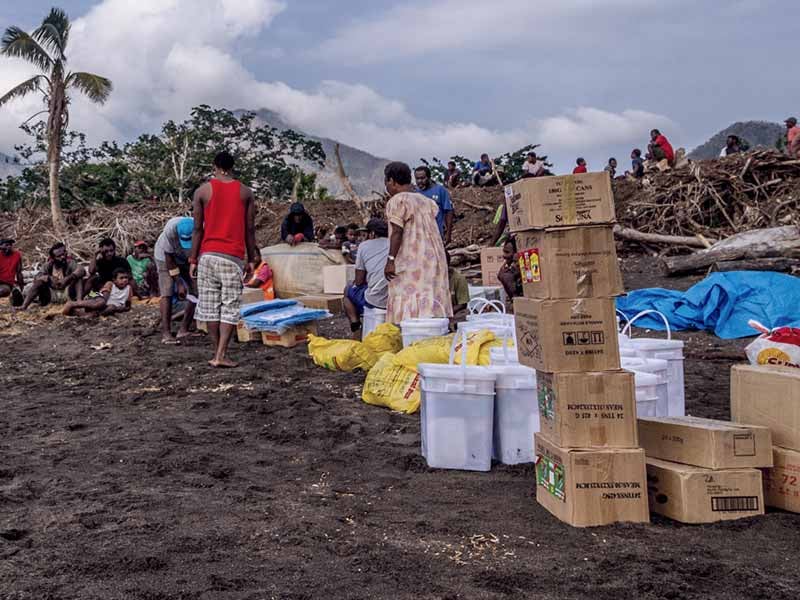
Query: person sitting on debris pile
{"x": 370, "y": 288}
{"x": 482, "y": 172}
{"x": 337, "y": 240}
{"x": 459, "y": 289}
{"x": 113, "y": 297}
{"x": 660, "y": 148}
{"x": 611, "y": 167}
{"x": 733, "y": 145}
{"x": 581, "y": 168}
{"x": 533, "y": 167}
{"x": 144, "y": 271}
{"x": 11, "y": 281}
{"x": 452, "y": 176}
{"x": 298, "y": 226}
{"x": 103, "y": 265}
{"x": 509, "y": 274}
{"x": 60, "y": 280}
{"x": 792, "y": 137}
{"x": 637, "y": 164}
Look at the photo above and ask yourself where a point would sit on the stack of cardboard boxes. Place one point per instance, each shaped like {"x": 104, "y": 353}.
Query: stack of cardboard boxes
{"x": 770, "y": 396}
{"x": 590, "y": 470}
{"x": 702, "y": 470}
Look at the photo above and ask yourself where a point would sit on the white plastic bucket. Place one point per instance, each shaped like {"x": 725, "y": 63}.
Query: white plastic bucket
{"x": 496, "y": 321}
{"x": 499, "y": 357}
{"x": 415, "y": 330}
{"x": 372, "y": 318}
{"x": 457, "y": 414}
{"x": 671, "y": 351}
{"x": 646, "y": 393}
{"x": 659, "y": 369}
{"x": 516, "y": 414}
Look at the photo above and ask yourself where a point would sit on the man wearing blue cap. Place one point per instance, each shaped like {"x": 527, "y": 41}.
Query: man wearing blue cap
{"x": 171, "y": 254}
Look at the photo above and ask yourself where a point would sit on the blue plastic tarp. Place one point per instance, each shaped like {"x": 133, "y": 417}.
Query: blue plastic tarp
{"x": 722, "y": 303}
{"x": 276, "y": 316}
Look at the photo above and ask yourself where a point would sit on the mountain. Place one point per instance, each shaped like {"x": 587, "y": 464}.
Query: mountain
{"x": 364, "y": 170}
{"x": 757, "y": 133}
{"x": 8, "y": 167}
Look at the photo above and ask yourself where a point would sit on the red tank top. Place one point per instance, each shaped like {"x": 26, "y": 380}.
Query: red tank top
{"x": 224, "y": 229}
{"x": 8, "y": 267}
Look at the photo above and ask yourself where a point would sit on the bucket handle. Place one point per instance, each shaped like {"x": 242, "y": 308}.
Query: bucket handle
{"x": 435, "y": 302}
{"x": 481, "y": 304}
{"x": 463, "y": 354}
{"x": 628, "y": 327}
{"x": 625, "y": 317}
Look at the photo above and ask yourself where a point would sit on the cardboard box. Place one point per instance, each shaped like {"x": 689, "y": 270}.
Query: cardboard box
{"x": 706, "y": 442}
{"x": 337, "y": 277}
{"x": 576, "y": 335}
{"x": 332, "y": 303}
{"x": 539, "y": 202}
{"x": 695, "y": 495}
{"x": 491, "y": 261}
{"x": 294, "y": 336}
{"x": 589, "y": 487}
{"x": 583, "y": 410}
{"x": 768, "y": 396}
{"x": 252, "y": 295}
{"x": 782, "y": 481}
{"x": 245, "y": 335}
{"x": 572, "y": 262}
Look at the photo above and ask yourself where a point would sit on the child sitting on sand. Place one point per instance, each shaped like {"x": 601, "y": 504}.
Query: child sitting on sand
{"x": 113, "y": 297}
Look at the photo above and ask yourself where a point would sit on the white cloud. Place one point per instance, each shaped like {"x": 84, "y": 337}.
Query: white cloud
{"x": 427, "y": 27}
{"x": 165, "y": 56}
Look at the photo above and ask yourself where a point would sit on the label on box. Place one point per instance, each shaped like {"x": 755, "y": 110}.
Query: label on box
{"x": 530, "y": 266}
{"x": 550, "y": 476}
{"x": 547, "y": 400}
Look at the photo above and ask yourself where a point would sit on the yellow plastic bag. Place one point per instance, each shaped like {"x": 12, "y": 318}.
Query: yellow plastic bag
{"x": 393, "y": 386}
{"x": 385, "y": 338}
{"x": 340, "y": 355}
{"x": 432, "y": 350}
{"x": 476, "y": 342}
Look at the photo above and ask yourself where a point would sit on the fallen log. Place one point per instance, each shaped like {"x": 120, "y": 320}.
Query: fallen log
{"x": 626, "y": 233}
{"x": 778, "y": 242}
{"x": 780, "y": 264}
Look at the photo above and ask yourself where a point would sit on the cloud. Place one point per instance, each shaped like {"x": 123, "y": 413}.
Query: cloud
{"x": 427, "y": 27}
{"x": 166, "y": 56}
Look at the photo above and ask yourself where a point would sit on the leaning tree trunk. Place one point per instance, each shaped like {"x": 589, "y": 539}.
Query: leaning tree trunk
{"x": 55, "y": 130}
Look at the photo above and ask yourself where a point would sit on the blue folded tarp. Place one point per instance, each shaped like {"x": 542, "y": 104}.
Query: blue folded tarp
{"x": 276, "y": 316}
{"x": 722, "y": 303}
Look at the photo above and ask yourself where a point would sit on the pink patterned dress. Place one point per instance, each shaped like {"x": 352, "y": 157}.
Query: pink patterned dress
{"x": 421, "y": 288}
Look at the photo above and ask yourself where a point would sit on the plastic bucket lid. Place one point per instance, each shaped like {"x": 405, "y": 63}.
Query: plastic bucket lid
{"x": 456, "y": 372}
{"x": 656, "y": 344}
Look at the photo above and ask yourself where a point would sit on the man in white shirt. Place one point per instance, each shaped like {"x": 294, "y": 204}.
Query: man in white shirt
{"x": 370, "y": 288}
{"x": 533, "y": 167}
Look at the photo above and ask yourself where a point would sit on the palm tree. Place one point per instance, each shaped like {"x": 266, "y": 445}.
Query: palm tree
{"x": 46, "y": 48}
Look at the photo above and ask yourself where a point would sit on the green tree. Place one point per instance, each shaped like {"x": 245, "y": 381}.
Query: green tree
{"x": 46, "y": 48}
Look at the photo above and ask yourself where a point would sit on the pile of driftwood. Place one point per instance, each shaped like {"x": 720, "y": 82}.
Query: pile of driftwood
{"x": 714, "y": 199}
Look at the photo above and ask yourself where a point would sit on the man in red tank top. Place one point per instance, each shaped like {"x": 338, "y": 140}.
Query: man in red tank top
{"x": 11, "y": 280}
{"x": 224, "y": 251}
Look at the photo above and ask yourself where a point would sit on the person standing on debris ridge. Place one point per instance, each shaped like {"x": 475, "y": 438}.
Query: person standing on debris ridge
{"x": 171, "y": 254}
{"x": 416, "y": 267}
{"x": 439, "y": 194}
{"x": 298, "y": 226}
{"x": 581, "y": 168}
{"x": 611, "y": 167}
{"x": 224, "y": 238}
{"x": 733, "y": 145}
{"x": 532, "y": 167}
{"x": 792, "y": 137}
{"x": 660, "y": 148}
{"x": 11, "y": 280}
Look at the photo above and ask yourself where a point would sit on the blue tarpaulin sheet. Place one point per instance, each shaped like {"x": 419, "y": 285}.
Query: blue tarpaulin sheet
{"x": 276, "y": 316}
{"x": 722, "y": 303}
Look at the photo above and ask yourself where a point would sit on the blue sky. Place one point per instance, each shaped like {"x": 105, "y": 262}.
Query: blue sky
{"x": 435, "y": 77}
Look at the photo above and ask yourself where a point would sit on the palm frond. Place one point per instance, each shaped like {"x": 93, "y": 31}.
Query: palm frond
{"x": 23, "y": 89}
{"x": 19, "y": 44}
{"x": 97, "y": 88}
{"x": 53, "y": 33}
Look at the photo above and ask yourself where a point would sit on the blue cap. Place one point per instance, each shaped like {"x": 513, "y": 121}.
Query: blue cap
{"x": 185, "y": 230}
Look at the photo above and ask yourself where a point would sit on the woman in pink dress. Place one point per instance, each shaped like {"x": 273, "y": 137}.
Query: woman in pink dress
{"x": 417, "y": 266}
